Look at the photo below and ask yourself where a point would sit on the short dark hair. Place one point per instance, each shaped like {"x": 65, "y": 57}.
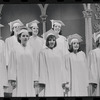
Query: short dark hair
{"x": 49, "y": 38}
{"x": 12, "y": 33}
{"x": 19, "y": 35}
{"x": 97, "y": 43}
{"x": 71, "y": 47}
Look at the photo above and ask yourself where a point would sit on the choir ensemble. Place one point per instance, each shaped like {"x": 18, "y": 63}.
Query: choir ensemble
{"x": 52, "y": 64}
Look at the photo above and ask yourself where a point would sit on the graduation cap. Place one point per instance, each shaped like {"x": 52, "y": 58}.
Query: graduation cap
{"x": 96, "y": 36}
{"x": 15, "y": 23}
{"x": 0, "y": 27}
{"x": 49, "y": 32}
{"x": 74, "y": 37}
{"x": 32, "y": 24}
{"x": 23, "y": 29}
{"x": 57, "y": 22}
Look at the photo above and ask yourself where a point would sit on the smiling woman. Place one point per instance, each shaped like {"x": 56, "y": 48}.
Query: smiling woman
{"x": 79, "y": 81}
{"x": 23, "y": 36}
{"x": 51, "y": 42}
{"x": 22, "y": 66}
{"x": 51, "y": 69}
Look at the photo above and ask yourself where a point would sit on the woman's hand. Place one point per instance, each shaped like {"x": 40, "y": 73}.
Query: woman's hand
{"x": 66, "y": 86}
{"x": 94, "y": 85}
{"x": 13, "y": 83}
{"x": 36, "y": 83}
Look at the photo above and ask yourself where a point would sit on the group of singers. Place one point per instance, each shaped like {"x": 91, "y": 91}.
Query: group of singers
{"x": 53, "y": 60}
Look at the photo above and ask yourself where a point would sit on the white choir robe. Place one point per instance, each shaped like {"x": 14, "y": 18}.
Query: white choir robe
{"x": 78, "y": 73}
{"x": 62, "y": 45}
{"x": 51, "y": 72}
{"x": 94, "y": 69}
{"x": 10, "y": 42}
{"x": 22, "y": 69}
{"x": 37, "y": 45}
{"x": 3, "y": 72}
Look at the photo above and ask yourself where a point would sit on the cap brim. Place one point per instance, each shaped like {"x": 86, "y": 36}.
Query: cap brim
{"x": 46, "y": 34}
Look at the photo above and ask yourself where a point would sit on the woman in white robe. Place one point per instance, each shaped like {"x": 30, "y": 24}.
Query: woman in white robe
{"x": 35, "y": 41}
{"x": 21, "y": 69}
{"x": 62, "y": 43}
{"x": 94, "y": 67}
{"x": 11, "y": 41}
{"x": 76, "y": 64}
{"x": 51, "y": 68}
{"x": 3, "y": 71}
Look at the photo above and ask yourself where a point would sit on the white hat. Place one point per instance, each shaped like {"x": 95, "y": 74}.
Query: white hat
{"x": 49, "y": 32}
{"x": 74, "y": 37}
{"x": 96, "y": 36}
{"x": 1, "y": 25}
{"x": 23, "y": 29}
{"x": 33, "y": 23}
{"x": 57, "y": 22}
{"x": 16, "y": 22}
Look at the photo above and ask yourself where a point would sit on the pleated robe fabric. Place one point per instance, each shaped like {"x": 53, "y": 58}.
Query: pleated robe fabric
{"x": 94, "y": 69}
{"x": 62, "y": 45}
{"x": 37, "y": 45}
{"x": 51, "y": 72}
{"x": 3, "y": 71}
{"x": 21, "y": 68}
{"x": 10, "y": 42}
{"x": 78, "y": 73}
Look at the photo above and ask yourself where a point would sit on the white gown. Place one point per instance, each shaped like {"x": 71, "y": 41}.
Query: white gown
{"x": 62, "y": 45}
{"x": 37, "y": 45}
{"x": 51, "y": 71}
{"x": 21, "y": 68}
{"x": 3, "y": 71}
{"x": 94, "y": 69}
{"x": 78, "y": 73}
{"x": 10, "y": 42}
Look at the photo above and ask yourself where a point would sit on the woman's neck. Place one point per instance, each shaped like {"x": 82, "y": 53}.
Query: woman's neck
{"x": 75, "y": 51}
{"x": 23, "y": 44}
{"x": 99, "y": 46}
{"x": 34, "y": 36}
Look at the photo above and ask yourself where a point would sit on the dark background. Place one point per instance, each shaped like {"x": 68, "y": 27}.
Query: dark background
{"x": 70, "y": 14}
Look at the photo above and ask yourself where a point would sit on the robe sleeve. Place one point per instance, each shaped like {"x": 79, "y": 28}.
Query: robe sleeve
{"x": 42, "y": 68}
{"x": 68, "y": 68}
{"x": 12, "y": 69}
{"x": 35, "y": 68}
{"x": 65, "y": 47}
{"x": 92, "y": 65}
{"x": 7, "y": 51}
{"x": 86, "y": 68}
{"x": 3, "y": 65}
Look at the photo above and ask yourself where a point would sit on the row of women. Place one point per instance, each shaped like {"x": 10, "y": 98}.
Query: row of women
{"x": 54, "y": 63}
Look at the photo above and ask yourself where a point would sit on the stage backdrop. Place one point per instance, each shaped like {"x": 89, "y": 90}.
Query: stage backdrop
{"x": 24, "y": 12}
{"x": 70, "y": 14}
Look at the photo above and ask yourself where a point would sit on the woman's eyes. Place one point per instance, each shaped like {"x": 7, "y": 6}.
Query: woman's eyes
{"x": 34, "y": 28}
{"x": 75, "y": 43}
{"x": 51, "y": 40}
{"x": 25, "y": 36}
{"x": 16, "y": 27}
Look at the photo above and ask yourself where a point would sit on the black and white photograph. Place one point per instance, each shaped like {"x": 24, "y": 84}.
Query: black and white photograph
{"x": 50, "y": 50}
